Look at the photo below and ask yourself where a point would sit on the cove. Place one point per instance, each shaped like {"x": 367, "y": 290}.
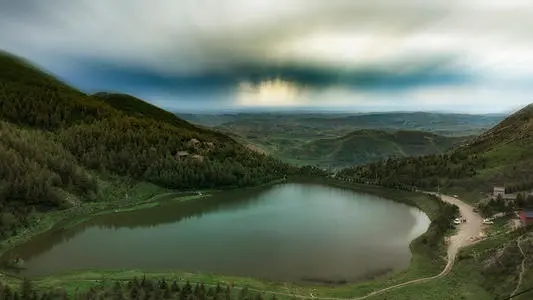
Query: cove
{"x": 296, "y": 232}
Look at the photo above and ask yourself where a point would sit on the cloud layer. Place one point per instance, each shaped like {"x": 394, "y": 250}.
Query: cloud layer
{"x": 377, "y": 48}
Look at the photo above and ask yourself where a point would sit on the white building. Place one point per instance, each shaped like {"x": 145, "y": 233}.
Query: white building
{"x": 498, "y": 191}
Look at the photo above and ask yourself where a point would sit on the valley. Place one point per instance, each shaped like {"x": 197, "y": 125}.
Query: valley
{"x": 328, "y": 139}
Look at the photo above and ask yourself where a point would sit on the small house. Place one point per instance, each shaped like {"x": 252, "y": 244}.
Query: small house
{"x": 526, "y": 216}
{"x": 498, "y": 191}
{"x": 193, "y": 143}
{"x": 198, "y": 157}
{"x": 182, "y": 154}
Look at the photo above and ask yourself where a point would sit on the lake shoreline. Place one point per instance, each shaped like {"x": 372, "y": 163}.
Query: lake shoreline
{"x": 58, "y": 219}
{"x": 418, "y": 266}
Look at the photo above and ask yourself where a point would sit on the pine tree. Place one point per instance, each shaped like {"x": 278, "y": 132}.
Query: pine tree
{"x": 26, "y": 289}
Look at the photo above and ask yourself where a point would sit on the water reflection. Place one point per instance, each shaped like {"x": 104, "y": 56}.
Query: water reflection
{"x": 170, "y": 212}
{"x": 295, "y": 232}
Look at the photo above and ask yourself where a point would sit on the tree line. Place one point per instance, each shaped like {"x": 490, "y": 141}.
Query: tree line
{"x": 134, "y": 289}
{"x": 420, "y": 172}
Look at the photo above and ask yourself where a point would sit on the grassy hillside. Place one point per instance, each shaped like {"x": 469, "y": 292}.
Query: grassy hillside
{"x": 365, "y": 146}
{"x": 57, "y": 143}
{"x": 501, "y": 156}
{"x": 326, "y": 139}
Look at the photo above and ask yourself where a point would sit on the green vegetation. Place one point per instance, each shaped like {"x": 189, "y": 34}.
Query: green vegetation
{"x": 366, "y": 146}
{"x": 59, "y": 146}
{"x": 126, "y": 194}
{"x": 334, "y": 140}
{"x": 136, "y": 288}
{"x": 487, "y": 270}
{"x": 501, "y": 156}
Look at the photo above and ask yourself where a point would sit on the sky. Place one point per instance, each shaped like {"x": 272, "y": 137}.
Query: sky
{"x": 472, "y": 56}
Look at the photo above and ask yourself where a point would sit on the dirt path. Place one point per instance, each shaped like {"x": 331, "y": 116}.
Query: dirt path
{"x": 467, "y": 234}
{"x": 522, "y": 266}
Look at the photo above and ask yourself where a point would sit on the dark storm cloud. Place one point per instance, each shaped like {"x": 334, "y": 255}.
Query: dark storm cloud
{"x": 95, "y": 75}
{"x": 427, "y": 48}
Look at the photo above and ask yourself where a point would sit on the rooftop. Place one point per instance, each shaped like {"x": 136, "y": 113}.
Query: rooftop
{"x": 528, "y": 214}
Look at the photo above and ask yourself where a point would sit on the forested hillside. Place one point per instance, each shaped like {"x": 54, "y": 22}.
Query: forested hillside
{"x": 56, "y": 142}
{"x": 501, "y": 156}
{"x": 366, "y": 146}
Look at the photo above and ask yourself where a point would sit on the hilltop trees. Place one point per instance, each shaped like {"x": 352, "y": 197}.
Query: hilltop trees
{"x": 415, "y": 172}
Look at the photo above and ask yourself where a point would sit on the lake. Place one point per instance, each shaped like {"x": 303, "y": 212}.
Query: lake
{"x": 293, "y": 232}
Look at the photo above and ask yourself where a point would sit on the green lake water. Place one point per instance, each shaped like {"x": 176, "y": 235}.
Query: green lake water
{"x": 294, "y": 232}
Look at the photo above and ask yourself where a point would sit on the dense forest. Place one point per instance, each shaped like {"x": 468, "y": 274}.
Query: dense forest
{"x": 135, "y": 288}
{"x": 416, "y": 172}
{"x": 57, "y": 142}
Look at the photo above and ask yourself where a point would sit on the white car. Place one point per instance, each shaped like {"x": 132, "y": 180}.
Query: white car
{"x": 457, "y": 221}
{"x": 488, "y": 222}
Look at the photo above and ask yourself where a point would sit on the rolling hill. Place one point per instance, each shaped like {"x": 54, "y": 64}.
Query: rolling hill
{"x": 500, "y": 156}
{"x": 321, "y": 125}
{"x": 326, "y": 139}
{"x": 59, "y": 146}
{"x": 366, "y": 146}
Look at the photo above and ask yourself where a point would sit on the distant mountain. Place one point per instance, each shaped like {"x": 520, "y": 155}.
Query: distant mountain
{"x": 500, "y": 156}
{"x": 365, "y": 146}
{"x": 338, "y": 124}
{"x": 333, "y": 139}
{"x": 211, "y": 120}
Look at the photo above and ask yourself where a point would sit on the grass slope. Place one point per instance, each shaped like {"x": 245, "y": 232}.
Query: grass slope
{"x": 501, "y": 156}
{"x": 365, "y": 146}
{"x": 318, "y": 138}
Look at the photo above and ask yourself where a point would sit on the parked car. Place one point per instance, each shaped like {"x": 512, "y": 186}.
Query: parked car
{"x": 488, "y": 221}
{"x": 457, "y": 221}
